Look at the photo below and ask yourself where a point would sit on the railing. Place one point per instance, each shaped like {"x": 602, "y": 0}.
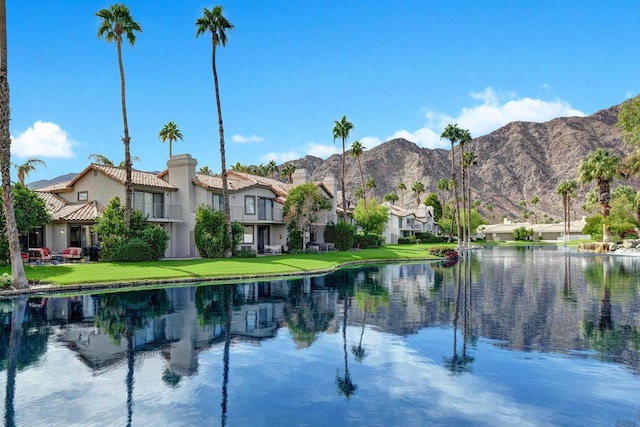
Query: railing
{"x": 266, "y": 215}
{"x": 160, "y": 211}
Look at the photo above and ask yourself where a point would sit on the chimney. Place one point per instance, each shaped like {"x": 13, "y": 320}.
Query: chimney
{"x": 300, "y": 176}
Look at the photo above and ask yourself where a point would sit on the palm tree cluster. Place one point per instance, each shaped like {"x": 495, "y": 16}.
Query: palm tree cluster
{"x": 260, "y": 170}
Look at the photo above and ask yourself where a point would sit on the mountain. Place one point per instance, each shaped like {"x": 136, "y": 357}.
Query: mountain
{"x": 516, "y": 162}
{"x": 47, "y": 182}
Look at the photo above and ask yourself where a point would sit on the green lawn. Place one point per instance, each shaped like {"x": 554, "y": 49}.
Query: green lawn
{"x": 235, "y": 268}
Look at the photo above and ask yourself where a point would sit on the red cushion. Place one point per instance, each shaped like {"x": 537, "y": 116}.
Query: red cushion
{"x": 45, "y": 251}
{"x": 67, "y": 252}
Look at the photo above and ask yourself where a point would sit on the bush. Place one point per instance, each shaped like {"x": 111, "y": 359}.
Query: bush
{"x": 426, "y": 237}
{"x": 367, "y": 241}
{"x": 244, "y": 253}
{"x": 522, "y": 233}
{"x": 211, "y": 234}
{"x": 345, "y": 236}
{"x": 330, "y": 233}
{"x": 408, "y": 240}
{"x": 294, "y": 240}
{"x": 133, "y": 250}
{"x": 158, "y": 240}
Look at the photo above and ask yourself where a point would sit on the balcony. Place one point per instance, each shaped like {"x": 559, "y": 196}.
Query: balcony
{"x": 160, "y": 212}
{"x": 274, "y": 215}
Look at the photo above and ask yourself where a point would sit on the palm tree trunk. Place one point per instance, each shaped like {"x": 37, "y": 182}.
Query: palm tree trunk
{"x": 223, "y": 161}
{"x": 344, "y": 195}
{"x": 128, "y": 184}
{"x": 464, "y": 195}
{"x": 454, "y": 183}
{"x": 469, "y": 205}
{"x": 364, "y": 191}
{"x": 15, "y": 338}
{"x": 17, "y": 268}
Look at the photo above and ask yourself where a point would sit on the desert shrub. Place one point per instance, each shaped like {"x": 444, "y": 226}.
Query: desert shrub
{"x": 345, "y": 236}
{"x": 133, "y": 250}
{"x": 407, "y": 240}
{"x": 367, "y": 241}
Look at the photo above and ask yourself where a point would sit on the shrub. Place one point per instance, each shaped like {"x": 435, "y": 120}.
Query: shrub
{"x": 426, "y": 237}
{"x": 522, "y": 233}
{"x": 294, "y": 239}
{"x": 408, "y": 240}
{"x": 345, "y": 236}
{"x": 367, "y": 241}
{"x": 330, "y": 233}
{"x": 210, "y": 233}
{"x": 133, "y": 250}
{"x": 158, "y": 240}
{"x": 244, "y": 253}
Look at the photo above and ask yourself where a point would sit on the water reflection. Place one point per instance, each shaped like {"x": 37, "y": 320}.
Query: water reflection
{"x": 526, "y": 299}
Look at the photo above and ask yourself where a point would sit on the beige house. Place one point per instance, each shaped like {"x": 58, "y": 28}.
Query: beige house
{"x": 555, "y": 232}
{"x": 170, "y": 199}
{"x": 403, "y": 222}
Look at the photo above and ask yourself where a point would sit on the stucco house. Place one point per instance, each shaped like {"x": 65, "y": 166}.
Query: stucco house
{"x": 170, "y": 199}
{"x": 403, "y": 222}
{"x": 504, "y": 231}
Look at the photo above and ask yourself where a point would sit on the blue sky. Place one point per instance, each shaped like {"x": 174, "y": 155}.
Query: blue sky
{"x": 291, "y": 68}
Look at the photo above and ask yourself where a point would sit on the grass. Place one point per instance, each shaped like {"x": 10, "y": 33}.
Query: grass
{"x": 235, "y": 268}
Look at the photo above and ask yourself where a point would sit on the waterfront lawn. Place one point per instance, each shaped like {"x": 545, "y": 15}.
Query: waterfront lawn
{"x": 103, "y": 272}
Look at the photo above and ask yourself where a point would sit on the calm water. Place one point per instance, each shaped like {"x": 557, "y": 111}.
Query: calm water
{"x": 509, "y": 336}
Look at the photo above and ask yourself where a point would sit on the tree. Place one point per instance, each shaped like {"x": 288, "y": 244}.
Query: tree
{"x": 465, "y": 137}
{"x": 214, "y": 22}
{"x": 356, "y": 151}
{"x": 170, "y": 132}
{"x": 566, "y": 189}
{"x": 205, "y": 170}
{"x": 629, "y": 121}
{"x": 453, "y": 133}
{"x": 371, "y": 185}
{"x": 534, "y": 201}
{"x": 116, "y": 22}
{"x": 601, "y": 166}
{"x": 418, "y": 188}
{"x": 432, "y": 200}
{"x": 371, "y": 217}
{"x": 358, "y": 193}
{"x": 523, "y": 205}
{"x": 468, "y": 160}
{"x": 443, "y": 184}
{"x": 271, "y": 167}
{"x": 27, "y": 167}
{"x": 391, "y": 197}
{"x": 18, "y": 276}
{"x": 342, "y": 129}
{"x": 303, "y": 207}
{"x": 105, "y": 161}
{"x": 288, "y": 170}
{"x": 402, "y": 187}
{"x": 210, "y": 234}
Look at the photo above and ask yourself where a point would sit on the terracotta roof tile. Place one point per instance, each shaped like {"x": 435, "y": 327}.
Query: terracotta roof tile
{"x": 83, "y": 212}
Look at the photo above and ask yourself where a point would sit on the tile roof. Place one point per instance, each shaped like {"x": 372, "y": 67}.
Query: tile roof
{"x": 147, "y": 179}
{"x": 53, "y": 202}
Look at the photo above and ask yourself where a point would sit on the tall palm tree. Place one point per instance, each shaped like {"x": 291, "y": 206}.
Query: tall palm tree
{"x": 356, "y": 151}
{"x": 371, "y": 185}
{"x": 465, "y": 136}
{"x": 288, "y": 170}
{"x": 468, "y": 160}
{"x": 342, "y": 129}
{"x": 19, "y": 279}
{"x": 453, "y": 133}
{"x": 214, "y": 22}
{"x": 418, "y": 188}
{"x": 116, "y": 22}
{"x": 566, "y": 190}
{"x": 534, "y": 201}
{"x": 101, "y": 160}
{"x": 358, "y": 193}
{"x": 402, "y": 187}
{"x": 443, "y": 184}
{"x": 272, "y": 167}
{"x": 27, "y": 167}
{"x": 391, "y": 197}
{"x": 601, "y": 166}
{"x": 170, "y": 132}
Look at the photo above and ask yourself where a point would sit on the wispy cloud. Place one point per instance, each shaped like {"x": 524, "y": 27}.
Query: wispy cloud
{"x": 43, "y": 139}
{"x": 241, "y": 139}
{"x": 279, "y": 157}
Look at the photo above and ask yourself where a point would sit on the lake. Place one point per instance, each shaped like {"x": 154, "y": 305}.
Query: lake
{"x": 526, "y": 336}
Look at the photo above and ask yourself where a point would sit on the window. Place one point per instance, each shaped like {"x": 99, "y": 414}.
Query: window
{"x": 250, "y": 205}
{"x": 151, "y": 204}
{"x": 247, "y": 236}
{"x": 399, "y": 222}
{"x": 217, "y": 202}
{"x": 265, "y": 209}
{"x": 83, "y": 196}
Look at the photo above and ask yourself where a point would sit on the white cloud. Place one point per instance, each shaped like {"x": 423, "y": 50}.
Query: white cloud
{"x": 323, "y": 151}
{"x": 241, "y": 139}
{"x": 493, "y": 111}
{"x": 629, "y": 94}
{"x": 43, "y": 139}
{"x": 370, "y": 141}
{"x": 279, "y": 157}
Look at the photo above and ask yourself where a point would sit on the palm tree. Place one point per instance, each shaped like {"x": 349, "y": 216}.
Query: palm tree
{"x": 356, "y": 151}
{"x": 288, "y": 170}
{"x": 342, "y": 129}
{"x": 391, "y": 197}
{"x": 205, "y": 170}
{"x": 214, "y": 22}
{"x": 18, "y": 276}
{"x": 27, "y": 167}
{"x": 271, "y": 167}
{"x": 534, "y": 201}
{"x": 468, "y": 160}
{"x": 358, "y": 193}
{"x": 105, "y": 161}
{"x": 523, "y": 205}
{"x": 465, "y": 136}
{"x": 418, "y": 188}
{"x": 371, "y": 185}
{"x": 116, "y": 22}
{"x": 601, "y": 166}
{"x": 566, "y": 189}
{"x": 443, "y": 184}
{"x": 453, "y": 133}
{"x": 402, "y": 187}
{"x": 171, "y": 132}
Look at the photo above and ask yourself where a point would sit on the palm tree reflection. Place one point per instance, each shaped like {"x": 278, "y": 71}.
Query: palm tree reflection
{"x": 458, "y": 364}
{"x": 346, "y": 387}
